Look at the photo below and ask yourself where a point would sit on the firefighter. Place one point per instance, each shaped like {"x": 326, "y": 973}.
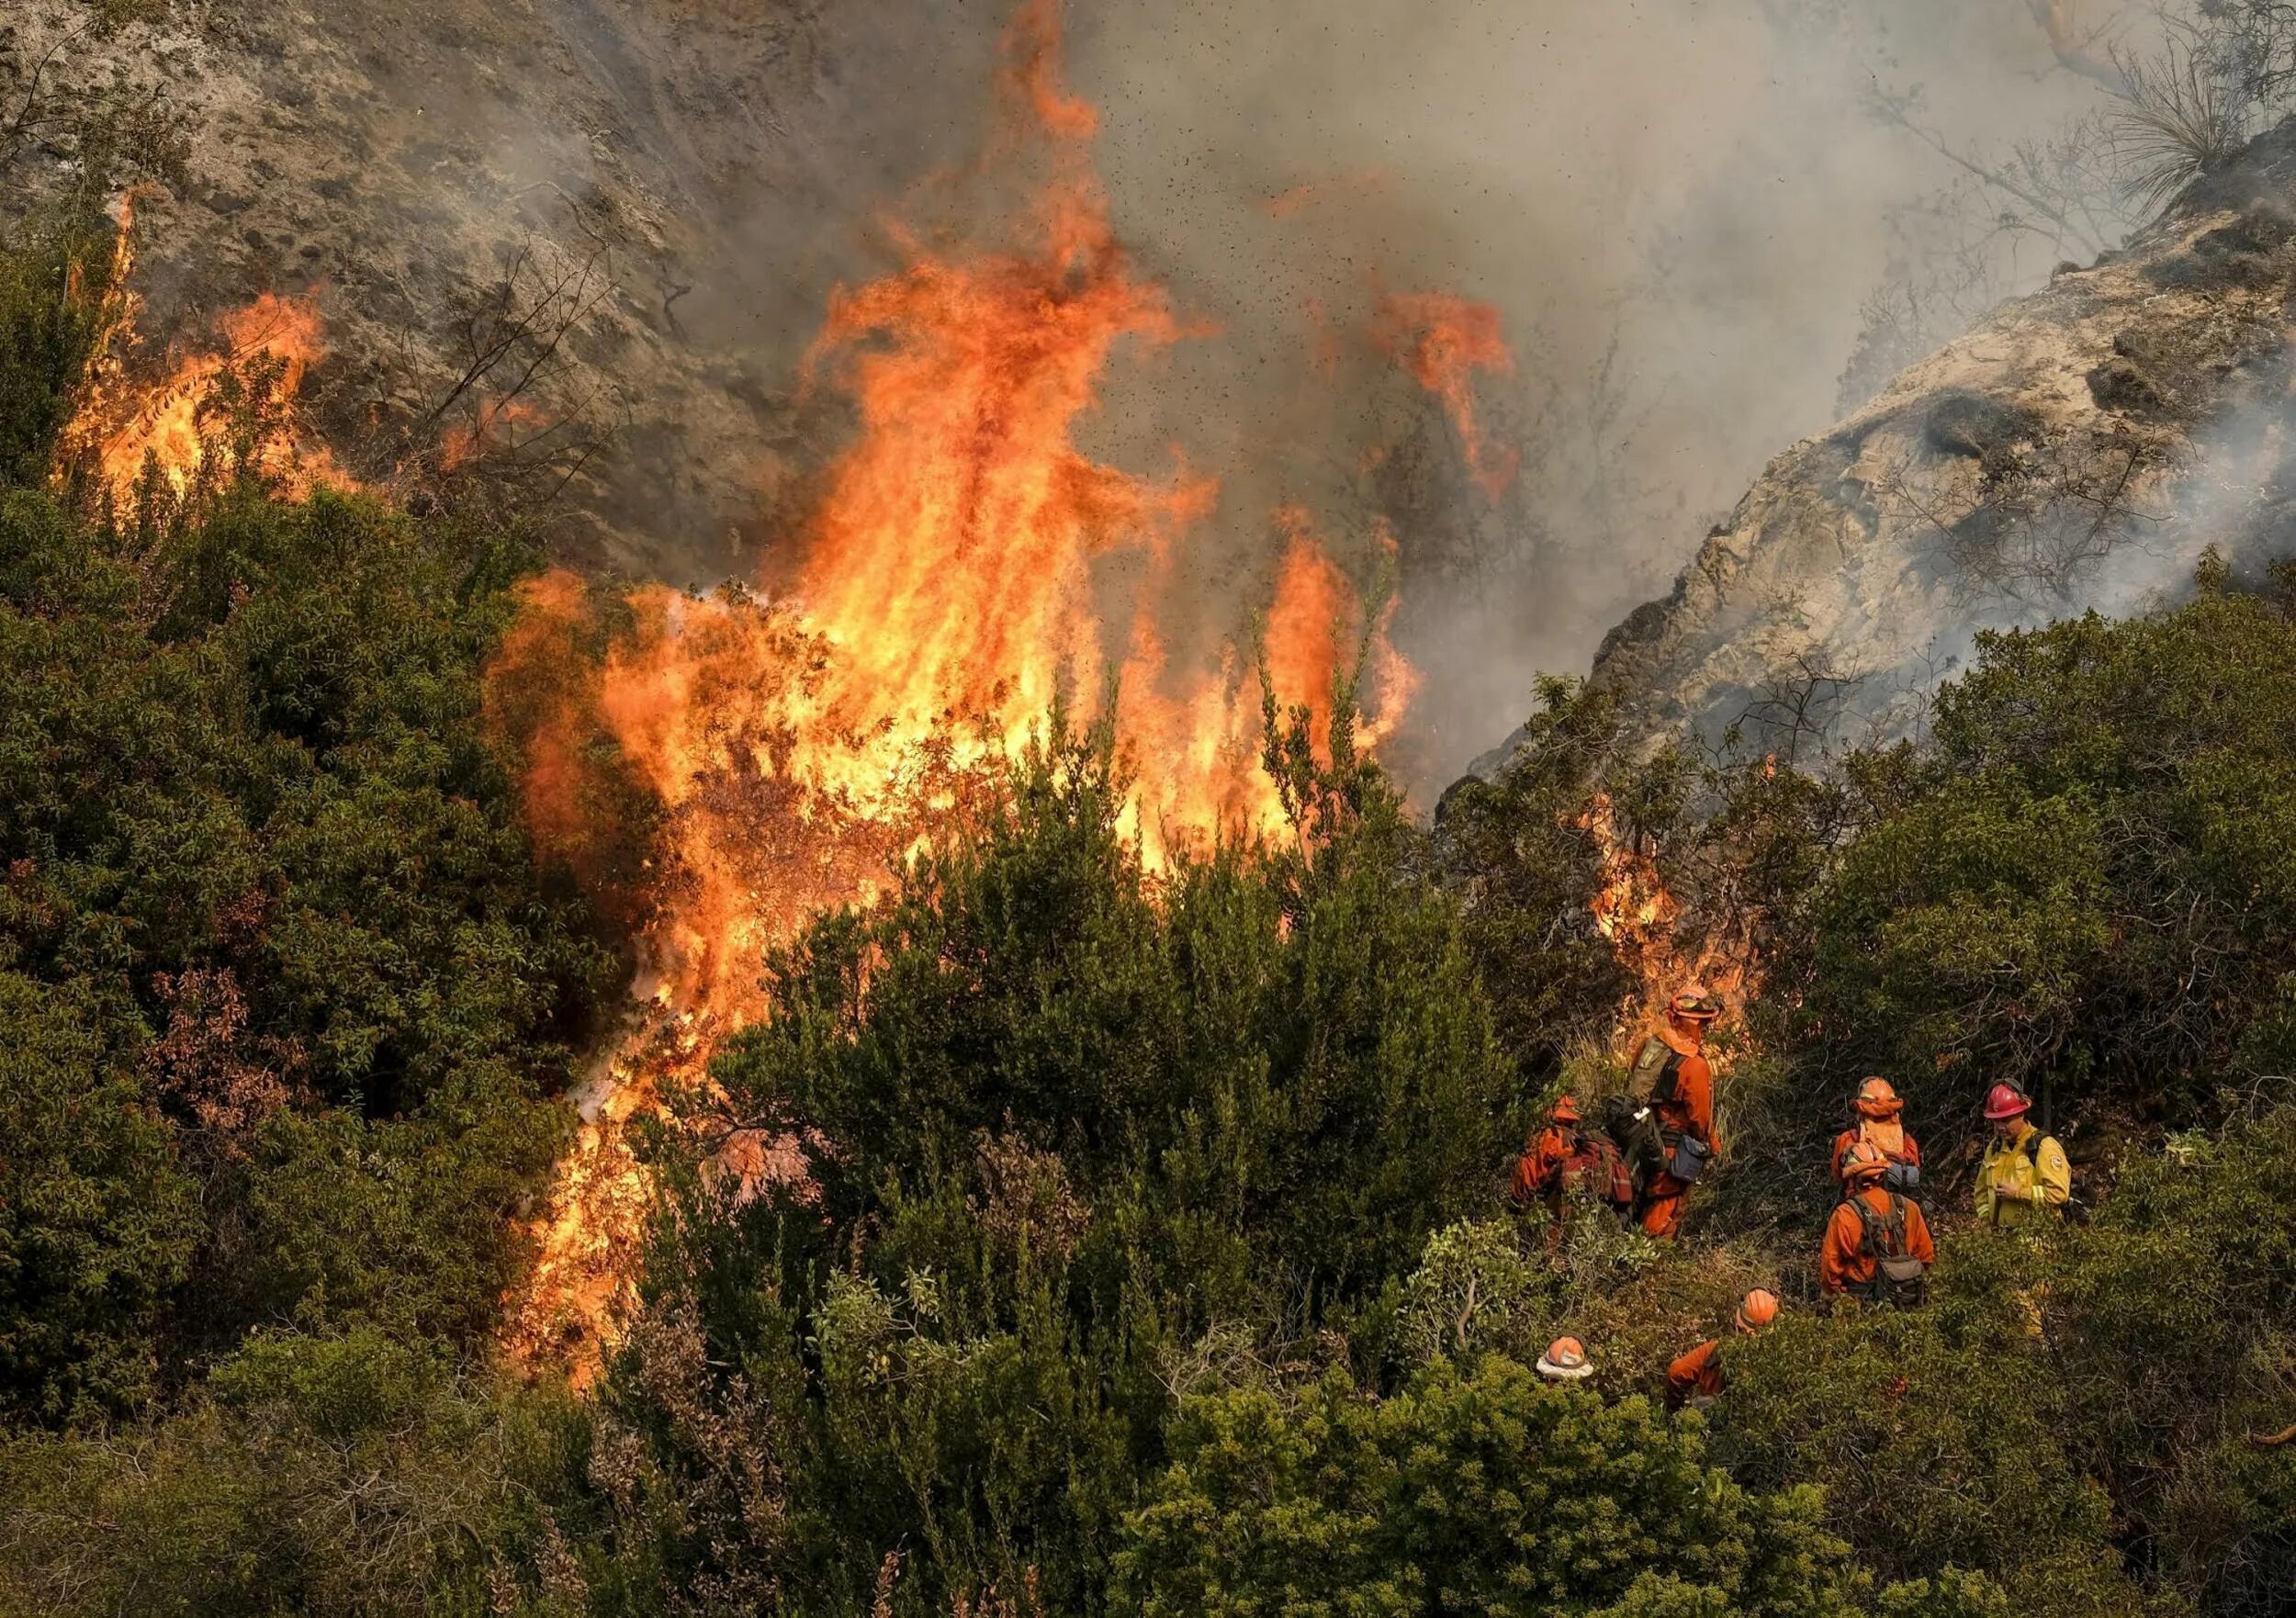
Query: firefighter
{"x": 1696, "y": 1378}
{"x": 1681, "y": 1094}
{"x": 2025, "y": 1177}
{"x": 1564, "y": 1157}
{"x": 1877, "y": 1119}
{"x": 1877, "y": 1245}
{"x": 1565, "y": 1361}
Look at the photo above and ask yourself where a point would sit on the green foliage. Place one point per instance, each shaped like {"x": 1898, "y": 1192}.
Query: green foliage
{"x": 285, "y": 1000}
{"x": 347, "y": 1476}
{"x": 1085, "y": 1135}
{"x": 97, "y": 1222}
{"x": 2084, "y": 881}
{"x": 1879, "y": 1408}
{"x": 1471, "y": 1492}
{"x": 2094, "y": 1389}
{"x": 51, "y": 317}
{"x": 1519, "y": 853}
{"x": 1287, "y": 1047}
{"x": 2172, "y": 1323}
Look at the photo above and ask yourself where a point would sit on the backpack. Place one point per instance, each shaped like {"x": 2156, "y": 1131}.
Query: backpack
{"x": 1652, "y": 1080}
{"x": 1900, "y": 1280}
{"x": 1632, "y": 1119}
{"x": 1605, "y": 1172}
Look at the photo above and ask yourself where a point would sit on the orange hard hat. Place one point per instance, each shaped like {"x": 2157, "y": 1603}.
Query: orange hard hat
{"x": 1696, "y": 1003}
{"x": 1565, "y": 1361}
{"x": 1864, "y": 1161}
{"x": 2007, "y": 1101}
{"x": 1565, "y": 1109}
{"x": 1758, "y": 1309}
{"x": 1877, "y": 1099}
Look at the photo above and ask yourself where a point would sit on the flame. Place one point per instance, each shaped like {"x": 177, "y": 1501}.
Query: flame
{"x": 168, "y": 422}
{"x": 494, "y": 425}
{"x": 954, "y": 586}
{"x": 1444, "y": 340}
{"x": 122, "y": 425}
{"x": 1645, "y": 922}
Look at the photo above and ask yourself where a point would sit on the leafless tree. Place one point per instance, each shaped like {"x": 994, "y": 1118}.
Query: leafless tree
{"x": 522, "y": 415}
{"x": 2032, "y": 519}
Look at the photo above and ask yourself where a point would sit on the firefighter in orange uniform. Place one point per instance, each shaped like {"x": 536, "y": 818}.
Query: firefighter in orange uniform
{"x": 1880, "y": 1122}
{"x": 1565, "y": 1156}
{"x": 1682, "y": 1096}
{"x": 1539, "y": 1174}
{"x": 1696, "y": 1378}
{"x": 1877, "y": 1245}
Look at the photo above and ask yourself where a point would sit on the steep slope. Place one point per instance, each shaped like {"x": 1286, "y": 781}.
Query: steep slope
{"x": 625, "y": 202}
{"x": 2078, "y": 448}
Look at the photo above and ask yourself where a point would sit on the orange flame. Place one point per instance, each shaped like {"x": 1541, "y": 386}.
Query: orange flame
{"x": 951, "y": 591}
{"x": 166, "y": 422}
{"x": 1444, "y": 340}
{"x": 1643, "y": 920}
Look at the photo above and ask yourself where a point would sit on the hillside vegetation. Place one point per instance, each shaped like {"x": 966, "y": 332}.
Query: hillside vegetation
{"x": 1154, "y": 1256}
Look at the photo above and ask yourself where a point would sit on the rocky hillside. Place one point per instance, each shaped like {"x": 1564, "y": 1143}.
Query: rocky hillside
{"x": 2079, "y": 447}
{"x": 557, "y": 226}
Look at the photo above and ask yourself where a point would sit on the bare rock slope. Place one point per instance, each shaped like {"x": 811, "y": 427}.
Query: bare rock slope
{"x": 2078, "y": 448}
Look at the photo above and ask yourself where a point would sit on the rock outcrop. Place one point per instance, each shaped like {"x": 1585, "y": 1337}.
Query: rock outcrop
{"x": 2078, "y": 448}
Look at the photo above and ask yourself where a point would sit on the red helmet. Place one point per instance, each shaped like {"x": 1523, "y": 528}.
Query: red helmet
{"x": 1864, "y": 1161}
{"x": 1760, "y": 1307}
{"x": 1877, "y": 1099}
{"x": 2007, "y": 1101}
{"x": 1565, "y": 1109}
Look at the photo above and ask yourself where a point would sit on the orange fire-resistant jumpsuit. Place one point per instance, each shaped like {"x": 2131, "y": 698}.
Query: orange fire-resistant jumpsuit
{"x": 1694, "y": 1376}
{"x": 1690, "y": 1112}
{"x": 1842, "y": 1266}
{"x": 1540, "y": 1172}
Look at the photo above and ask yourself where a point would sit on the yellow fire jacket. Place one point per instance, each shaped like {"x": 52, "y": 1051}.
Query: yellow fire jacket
{"x": 2023, "y": 1180}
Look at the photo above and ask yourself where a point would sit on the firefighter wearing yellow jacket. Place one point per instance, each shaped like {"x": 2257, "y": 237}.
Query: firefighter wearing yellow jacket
{"x": 2025, "y": 1176}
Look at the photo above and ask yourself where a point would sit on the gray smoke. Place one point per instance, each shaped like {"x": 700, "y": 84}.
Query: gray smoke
{"x": 1679, "y": 207}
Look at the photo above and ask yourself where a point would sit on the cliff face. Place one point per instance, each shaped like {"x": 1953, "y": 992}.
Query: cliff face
{"x": 2080, "y": 448}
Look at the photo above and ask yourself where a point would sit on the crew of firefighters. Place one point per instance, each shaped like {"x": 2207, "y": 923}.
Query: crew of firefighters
{"x": 1653, "y": 1143}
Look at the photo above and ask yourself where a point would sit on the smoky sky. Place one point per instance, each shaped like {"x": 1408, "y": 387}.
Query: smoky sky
{"x": 1677, "y": 206}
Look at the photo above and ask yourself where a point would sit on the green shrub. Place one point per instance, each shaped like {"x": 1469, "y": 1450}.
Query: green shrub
{"x": 2084, "y": 882}
{"x": 1474, "y": 1490}
{"x": 97, "y": 1222}
{"x": 278, "y": 959}
{"x": 343, "y": 1475}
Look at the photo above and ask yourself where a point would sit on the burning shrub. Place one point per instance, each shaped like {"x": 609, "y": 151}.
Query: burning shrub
{"x": 1073, "y": 1117}
{"x": 251, "y": 826}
